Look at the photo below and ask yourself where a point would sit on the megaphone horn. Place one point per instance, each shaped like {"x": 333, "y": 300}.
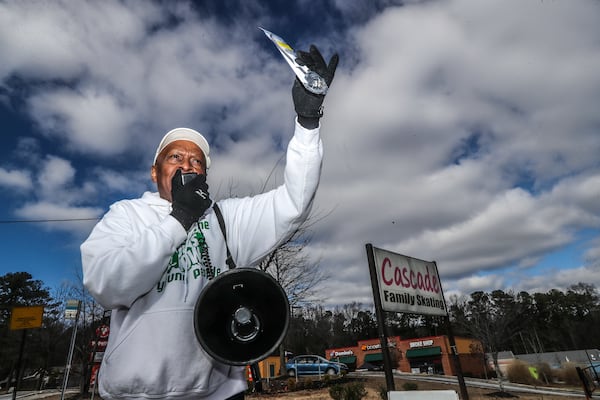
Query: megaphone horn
{"x": 241, "y": 316}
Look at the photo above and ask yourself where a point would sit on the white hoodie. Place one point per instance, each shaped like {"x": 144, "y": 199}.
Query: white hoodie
{"x": 141, "y": 263}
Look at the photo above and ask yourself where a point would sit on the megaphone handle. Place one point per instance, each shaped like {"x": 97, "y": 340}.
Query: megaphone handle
{"x": 256, "y": 378}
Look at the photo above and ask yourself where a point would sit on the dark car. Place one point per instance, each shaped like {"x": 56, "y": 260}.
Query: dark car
{"x": 314, "y": 365}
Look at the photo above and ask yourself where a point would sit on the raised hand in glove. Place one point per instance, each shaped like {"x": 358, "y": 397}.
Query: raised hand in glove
{"x": 308, "y": 105}
{"x": 191, "y": 200}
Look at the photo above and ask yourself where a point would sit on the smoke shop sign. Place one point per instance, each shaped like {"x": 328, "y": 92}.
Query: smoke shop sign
{"x": 408, "y": 284}
{"x": 420, "y": 343}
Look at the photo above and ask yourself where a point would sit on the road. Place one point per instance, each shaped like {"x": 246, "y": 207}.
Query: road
{"x": 478, "y": 383}
{"x": 36, "y": 395}
{"x": 451, "y": 380}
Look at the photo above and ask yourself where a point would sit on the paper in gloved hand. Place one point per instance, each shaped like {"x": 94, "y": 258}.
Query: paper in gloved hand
{"x": 312, "y": 81}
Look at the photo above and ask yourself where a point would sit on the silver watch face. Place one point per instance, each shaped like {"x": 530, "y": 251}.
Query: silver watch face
{"x": 315, "y": 83}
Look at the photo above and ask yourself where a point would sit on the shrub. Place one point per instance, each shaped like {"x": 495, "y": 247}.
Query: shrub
{"x": 518, "y": 372}
{"x": 557, "y": 375}
{"x": 336, "y": 392}
{"x": 545, "y": 373}
{"x": 383, "y": 392}
{"x": 352, "y": 391}
{"x": 291, "y": 384}
{"x": 569, "y": 374}
{"x": 355, "y": 391}
{"x": 410, "y": 386}
{"x": 311, "y": 384}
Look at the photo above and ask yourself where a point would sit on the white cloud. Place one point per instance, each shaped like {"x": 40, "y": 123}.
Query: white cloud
{"x": 55, "y": 196}
{"x": 58, "y": 40}
{"x": 91, "y": 121}
{"x": 122, "y": 181}
{"x": 55, "y": 174}
{"x": 457, "y": 131}
{"x": 592, "y": 255}
{"x": 53, "y": 213}
{"x": 137, "y": 72}
{"x": 45, "y": 210}
{"x": 20, "y": 180}
{"x": 474, "y": 283}
{"x": 560, "y": 279}
{"x": 502, "y": 90}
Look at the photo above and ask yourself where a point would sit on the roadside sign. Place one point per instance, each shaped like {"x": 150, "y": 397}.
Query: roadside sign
{"x": 72, "y": 309}
{"x": 26, "y": 317}
{"x": 409, "y": 285}
{"x": 99, "y": 345}
{"x": 102, "y": 331}
{"x": 98, "y": 356}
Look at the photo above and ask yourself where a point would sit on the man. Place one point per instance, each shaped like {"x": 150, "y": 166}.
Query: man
{"x": 148, "y": 259}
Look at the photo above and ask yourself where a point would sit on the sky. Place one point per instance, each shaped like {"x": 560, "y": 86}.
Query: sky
{"x": 457, "y": 131}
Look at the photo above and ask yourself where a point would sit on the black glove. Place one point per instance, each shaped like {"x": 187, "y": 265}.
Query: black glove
{"x": 308, "y": 104}
{"x": 191, "y": 200}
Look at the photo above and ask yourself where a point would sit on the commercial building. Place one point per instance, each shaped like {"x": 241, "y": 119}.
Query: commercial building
{"x": 423, "y": 355}
{"x": 268, "y": 368}
{"x": 555, "y": 359}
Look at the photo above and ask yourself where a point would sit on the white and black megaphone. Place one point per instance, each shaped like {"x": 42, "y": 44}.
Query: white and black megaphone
{"x": 241, "y": 316}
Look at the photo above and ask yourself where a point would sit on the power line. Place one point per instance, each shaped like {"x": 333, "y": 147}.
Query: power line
{"x": 21, "y": 221}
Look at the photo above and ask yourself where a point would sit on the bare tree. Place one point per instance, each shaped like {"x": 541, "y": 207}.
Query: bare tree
{"x": 493, "y": 318}
{"x": 293, "y": 268}
{"x": 297, "y": 273}
{"x": 90, "y": 315}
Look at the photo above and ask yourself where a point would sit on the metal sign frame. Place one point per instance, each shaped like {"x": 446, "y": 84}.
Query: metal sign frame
{"x": 403, "y": 277}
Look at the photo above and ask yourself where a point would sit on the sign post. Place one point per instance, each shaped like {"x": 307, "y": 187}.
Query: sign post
{"x": 23, "y": 318}
{"x": 456, "y": 361}
{"x": 385, "y": 351}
